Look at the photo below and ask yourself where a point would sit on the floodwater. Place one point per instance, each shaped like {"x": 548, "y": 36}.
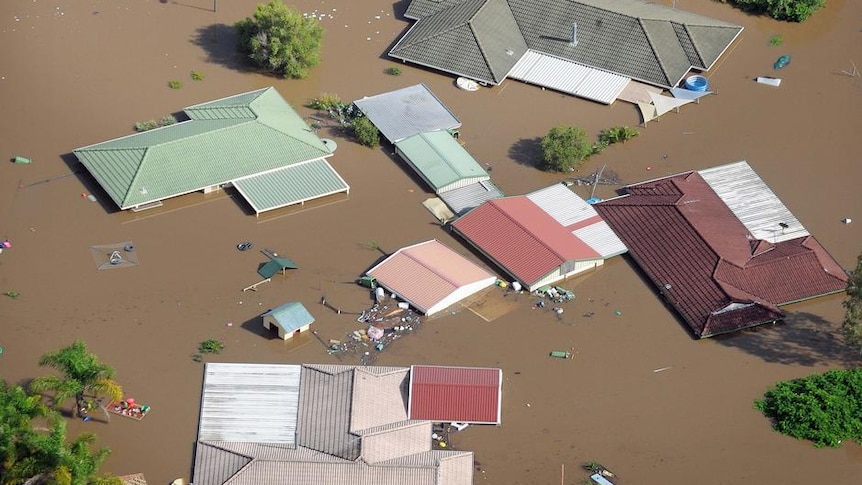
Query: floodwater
{"x": 76, "y": 73}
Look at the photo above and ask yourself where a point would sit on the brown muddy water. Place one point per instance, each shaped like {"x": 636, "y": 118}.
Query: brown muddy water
{"x": 74, "y": 73}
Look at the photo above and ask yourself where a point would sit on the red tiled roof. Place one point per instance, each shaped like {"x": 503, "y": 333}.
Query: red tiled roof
{"x": 702, "y": 260}
{"x": 459, "y": 394}
{"x": 524, "y": 239}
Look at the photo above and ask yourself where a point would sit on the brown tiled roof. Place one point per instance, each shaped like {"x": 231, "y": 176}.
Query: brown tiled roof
{"x": 136, "y": 479}
{"x": 704, "y": 261}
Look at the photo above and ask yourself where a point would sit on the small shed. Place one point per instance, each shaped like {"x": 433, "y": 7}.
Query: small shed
{"x": 290, "y": 318}
{"x": 276, "y": 265}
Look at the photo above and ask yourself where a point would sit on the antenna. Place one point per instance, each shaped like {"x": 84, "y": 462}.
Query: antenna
{"x": 574, "y": 41}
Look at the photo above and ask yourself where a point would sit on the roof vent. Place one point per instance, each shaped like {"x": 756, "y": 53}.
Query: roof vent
{"x": 574, "y": 41}
{"x": 510, "y": 52}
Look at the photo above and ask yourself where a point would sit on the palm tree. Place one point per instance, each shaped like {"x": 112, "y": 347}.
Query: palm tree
{"x": 81, "y": 373}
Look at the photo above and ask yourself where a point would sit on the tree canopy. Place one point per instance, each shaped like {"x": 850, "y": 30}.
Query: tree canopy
{"x": 789, "y": 10}
{"x": 852, "y": 326}
{"x": 280, "y": 40}
{"x": 824, "y": 408}
{"x": 564, "y": 148}
{"x": 81, "y": 373}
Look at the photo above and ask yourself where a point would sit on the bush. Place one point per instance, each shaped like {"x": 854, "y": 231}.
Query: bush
{"x": 175, "y": 84}
{"x": 197, "y": 76}
{"x": 617, "y": 134}
{"x": 824, "y": 408}
{"x": 211, "y": 347}
{"x": 146, "y": 125}
{"x": 393, "y": 71}
{"x": 365, "y": 132}
{"x": 789, "y": 10}
{"x": 279, "y": 40}
{"x": 167, "y": 120}
{"x": 326, "y": 101}
{"x": 776, "y": 40}
{"x": 564, "y": 148}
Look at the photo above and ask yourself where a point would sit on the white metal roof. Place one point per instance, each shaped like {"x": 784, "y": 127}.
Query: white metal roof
{"x": 463, "y": 199}
{"x": 753, "y": 202}
{"x": 406, "y": 112}
{"x": 250, "y": 403}
{"x": 568, "y": 77}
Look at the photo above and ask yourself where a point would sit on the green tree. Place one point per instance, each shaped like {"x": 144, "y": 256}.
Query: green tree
{"x": 824, "y": 408}
{"x": 852, "y": 325}
{"x": 278, "y": 39}
{"x": 789, "y": 10}
{"x": 365, "y": 132}
{"x": 81, "y": 373}
{"x": 564, "y": 148}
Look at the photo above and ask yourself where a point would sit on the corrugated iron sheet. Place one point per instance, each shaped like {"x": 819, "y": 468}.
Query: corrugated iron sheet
{"x": 250, "y": 403}
{"x": 753, "y": 202}
{"x": 568, "y": 77}
{"x": 406, "y": 112}
{"x": 460, "y": 394}
{"x": 290, "y": 185}
{"x": 463, "y": 199}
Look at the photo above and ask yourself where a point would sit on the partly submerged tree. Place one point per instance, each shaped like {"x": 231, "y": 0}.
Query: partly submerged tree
{"x": 790, "y": 10}
{"x": 82, "y": 374}
{"x": 36, "y": 453}
{"x": 852, "y": 326}
{"x": 365, "y": 132}
{"x": 280, "y": 40}
{"x": 824, "y": 408}
{"x": 564, "y": 148}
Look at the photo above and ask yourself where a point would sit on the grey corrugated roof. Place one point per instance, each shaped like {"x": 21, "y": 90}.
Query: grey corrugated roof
{"x": 637, "y": 39}
{"x": 249, "y": 403}
{"x": 215, "y": 465}
{"x": 406, "y": 112}
{"x": 290, "y": 185}
{"x": 463, "y": 199}
{"x": 324, "y": 409}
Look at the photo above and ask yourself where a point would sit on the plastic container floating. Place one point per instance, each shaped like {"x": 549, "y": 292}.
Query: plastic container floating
{"x": 781, "y": 62}
{"x": 560, "y": 354}
{"x": 696, "y": 83}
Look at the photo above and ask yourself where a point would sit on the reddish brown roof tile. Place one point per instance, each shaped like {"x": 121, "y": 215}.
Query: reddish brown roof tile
{"x": 705, "y": 264}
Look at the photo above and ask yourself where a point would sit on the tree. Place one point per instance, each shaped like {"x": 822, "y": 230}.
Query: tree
{"x": 365, "y": 132}
{"x": 824, "y": 408}
{"x": 81, "y": 373}
{"x": 790, "y": 10}
{"x": 278, "y": 39}
{"x": 564, "y": 148}
{"x": 40, "y": 455}
{"x": 852, "y": 325}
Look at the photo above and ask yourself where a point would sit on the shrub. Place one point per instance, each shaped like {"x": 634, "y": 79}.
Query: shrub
{"x": 564, "y": 148}
{"x": 393, "y": 71}
{"x": 617, "y": 134}
{"x": 824, "y": 408}
{"x": 211, "y": 346}
{"x": 789, "y": 10}
{"x": 365, "y": 132}
{"x": 776, "y": 40}
{"x": 175, "y": 84}
{"x": 197, "y": 76}
{"x": 280, "y": 40}
{"x": 167, "y": 120}
{"x": 145, "y": 125}
{"x": 326, "y": 101}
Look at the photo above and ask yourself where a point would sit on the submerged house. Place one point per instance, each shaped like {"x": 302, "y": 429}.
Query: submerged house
{"x": 268, "y": 424}
{"x": 720, "y": 247}
{"x": 587, "y": 48}
{"x": 288, "y": 319}
{"x": 254, "y": 142}
{"x": 430, "y": 276}
{"x": 542, "y": 237}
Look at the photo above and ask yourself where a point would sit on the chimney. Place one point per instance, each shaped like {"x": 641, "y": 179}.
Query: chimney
{"x": 574, "y": 41}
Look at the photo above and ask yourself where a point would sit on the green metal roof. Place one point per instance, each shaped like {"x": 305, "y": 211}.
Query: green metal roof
{"x": 440, "y": 159}
{"x": 291, "y": 316}
{"x": 275, "y": 265}
{"x": 291, "y": 185}
{"x": 224, "y": 140}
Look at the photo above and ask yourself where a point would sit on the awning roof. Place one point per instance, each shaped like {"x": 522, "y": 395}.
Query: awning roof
{"x": 290, "y": 185}
{"x": 569, "y": 77}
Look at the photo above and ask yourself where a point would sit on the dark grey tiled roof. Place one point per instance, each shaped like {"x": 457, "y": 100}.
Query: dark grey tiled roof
{"x": 640, "y": 40}
{"x": 475, "y": 38}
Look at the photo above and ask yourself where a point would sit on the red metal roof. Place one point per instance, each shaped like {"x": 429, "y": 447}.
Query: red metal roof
{"x": 520, "y": 236}
{"x": 705, "y": 264}
{"x": 455, "y": 394}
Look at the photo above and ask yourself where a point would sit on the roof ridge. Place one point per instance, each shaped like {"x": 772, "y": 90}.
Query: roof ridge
{"x": 420, "y": 263}
{"x": 134, "y": 179}
{"x": 531, "y": 234}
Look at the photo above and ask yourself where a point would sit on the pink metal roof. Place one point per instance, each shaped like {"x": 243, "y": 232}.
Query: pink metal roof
{"x": 705, "y": 263}
{"x": 522, "y": 237}
{"x": 459, "y": 394}
{"x": 426, "y": 273}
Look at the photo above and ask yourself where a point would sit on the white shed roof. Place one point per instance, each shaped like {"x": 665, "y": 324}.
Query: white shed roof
{"x": 753, "y": 202}
{"x": 568, "y": 77}
{"x": 251, "y": 403}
